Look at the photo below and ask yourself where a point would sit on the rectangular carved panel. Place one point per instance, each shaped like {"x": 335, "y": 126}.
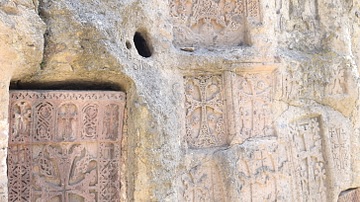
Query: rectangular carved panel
{"x": 258, "y": 173}
{"x": 65, "y": 146}
{"x": 202, "y": 183}
{"x": 309, "y": 165}
{"x": 212, "y": 22}
{"x": 250, "y": 105}
{"x": 205, "y": 124}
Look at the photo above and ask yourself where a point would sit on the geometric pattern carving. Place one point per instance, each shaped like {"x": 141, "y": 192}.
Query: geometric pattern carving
{"x": 205, "y": 126}
{"x": 212, "y": 22}
{"x": 58, "y": 150}
{"x": 309, "y": 164}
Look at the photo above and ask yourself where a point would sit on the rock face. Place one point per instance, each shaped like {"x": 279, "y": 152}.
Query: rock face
{"x": 226, "y": 100}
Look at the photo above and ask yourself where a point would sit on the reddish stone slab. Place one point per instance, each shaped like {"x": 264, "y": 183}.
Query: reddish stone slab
{"x": 65, "y": 145}
{"x": 352, "y": 195}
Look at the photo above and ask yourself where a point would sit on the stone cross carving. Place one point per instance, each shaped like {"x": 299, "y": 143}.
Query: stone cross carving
{"x": 257, "y": 171}
{"x": 205, "y": 111}
{"x": 310, "y": 165}
{"x": 65, "y": 146}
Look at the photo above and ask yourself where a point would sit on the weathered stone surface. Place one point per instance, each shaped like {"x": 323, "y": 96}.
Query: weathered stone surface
{"x": 238, "y": 101}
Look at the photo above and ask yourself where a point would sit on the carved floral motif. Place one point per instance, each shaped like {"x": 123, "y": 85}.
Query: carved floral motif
{"x": 73, "y": 161}
{"x": 205, "y": 125}
{"x": 212, "y": 22}
{"x": 64, "y": 172}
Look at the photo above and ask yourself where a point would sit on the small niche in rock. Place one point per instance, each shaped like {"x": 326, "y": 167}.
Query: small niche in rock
{"x": 142, "y": 45}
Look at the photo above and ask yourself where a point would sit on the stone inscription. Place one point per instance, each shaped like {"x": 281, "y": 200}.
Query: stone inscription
{"x": 309, "y": 162}
{"x": 212, "y": 22}
{"x": 205, "y": 126}
{"x": 65, "y": 146}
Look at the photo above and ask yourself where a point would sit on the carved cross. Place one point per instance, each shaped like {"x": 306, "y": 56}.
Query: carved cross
{"x": 204, "y": 102}
{"x": 308, "y": 151}
{"x": 339, "y": 146}
{"x": 67, "y": 114}
{"x": 66, "y": 169}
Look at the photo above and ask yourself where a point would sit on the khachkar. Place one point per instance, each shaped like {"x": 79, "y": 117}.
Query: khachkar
{"x": 212, "y": 22}
{"x": 65, "y": 145}
{"x": 228, "y": 109}
{"x": 309, "y": 164}
{"x": 205, "y": 124}
{"x": 249, "y": 103}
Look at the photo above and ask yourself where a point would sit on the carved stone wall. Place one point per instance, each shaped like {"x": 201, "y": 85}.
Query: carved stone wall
{"x": 227, "y": 100}
{"x": 228, "y": 108}
{"x": 65, "y": 146}
{"x": 212, "y": 23}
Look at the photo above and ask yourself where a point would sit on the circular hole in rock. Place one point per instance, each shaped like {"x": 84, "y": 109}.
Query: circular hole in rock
{"x": 142, "y": 45}
{"x": 128, "y": 45}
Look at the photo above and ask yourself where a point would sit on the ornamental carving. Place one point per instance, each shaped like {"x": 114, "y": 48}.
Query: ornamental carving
{"x": 65, "y": 146}
{"x": 309, "y": 164}
{"x": 203, "y": 183}
{"x": 212, "y": 22}
{"x": 251, "y": 105}
{"x": 258, "y": 171}
{"x": 340, "y": 144}
{"x": 205, "y": 125}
